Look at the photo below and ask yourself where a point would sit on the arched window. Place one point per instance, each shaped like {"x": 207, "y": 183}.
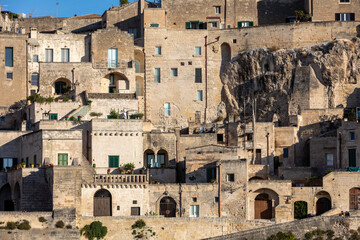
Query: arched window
{"x": 137, "y": 66}
{"x": 149, "y": 158}
{"x": 62, "y": 86}
{"x": 102, "y": 203}
{"x": 162, "y": 159}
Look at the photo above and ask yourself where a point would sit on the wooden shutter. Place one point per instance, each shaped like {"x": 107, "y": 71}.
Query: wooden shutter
{"x": 337, "y": 16}
{"x": 187, "y": 25}
{"x": 201, "y": 25}
{"x": 239, "y": 24}
{"x": 198, "y": 75}
{"x": 352, "y": 16}
{"x": 251, "y": 24}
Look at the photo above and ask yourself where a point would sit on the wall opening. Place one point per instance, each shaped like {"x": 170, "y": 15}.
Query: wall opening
{"x": 102, "y": 203}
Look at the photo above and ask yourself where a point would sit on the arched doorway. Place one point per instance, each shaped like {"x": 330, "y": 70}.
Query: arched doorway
{"x": 139, "y": 86}
{"x": 225, "y": 53}
{"x": 255, "y": 178}
{"x": 62, "y": 86}
{"x": 17, "y": 197}
{"x": 139, "y": 61}
{"x": 323, "y": 202}
{"x": 149, "y": 158}
{"x": 6, "y": 203}
{"x": 162, "y": 158}
{"x": 300, "y": 209}
{"x": 354, "y": 199}
{"x": 168, "y": 207}
{"x": 263, "y": 206}
{"x": 102, "y": 203}
{"x": 117, "y": 82}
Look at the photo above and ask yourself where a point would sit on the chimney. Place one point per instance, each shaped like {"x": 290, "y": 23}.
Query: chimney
{"x": 30, "y": 15}
{"x": 33, "y": 32}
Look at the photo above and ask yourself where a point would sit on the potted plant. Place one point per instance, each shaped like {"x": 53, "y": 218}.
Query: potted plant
{"x": 132, "y": 171}
{"x": 129, "y": 167}
{"x": 32, "y": 165}
{"x": 66, "y": 117}
{"x": 23, "y": 164}
{"x": 94, "y": 165}
{"x": 121, "y": 171}
{"x": 38, "y": 165}
{"x": 108, "y": 171}
{"x": 79, "y": 118}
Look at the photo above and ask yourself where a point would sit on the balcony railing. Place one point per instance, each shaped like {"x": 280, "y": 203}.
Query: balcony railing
{"x": 127, "y": 178}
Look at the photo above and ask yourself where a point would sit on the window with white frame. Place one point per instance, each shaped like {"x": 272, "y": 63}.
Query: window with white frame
{"x": 344, "y": 1}
{"x": 158, "y": 50}
{"x": 35, "y": 79}
{"x": 194, "y": 210}
{"x": 199, "y": 95}
{"x": 49, "y": 55}
{"x": 174, "y": 72}
{"x": 112, "y": 57}
{"x": 9, "y": 57}
{"x": 65, "y": 55}
{"x": 217, "y": 9}
{"x": 230, "y": 177}
{"x": 344, "y": 17}
{"x": 167, "y": 109}
{"x": 214, "y": 24}
{"x": 197, "y": 51}
{"x": 329, "y": 159}
{"x": 157, "y": 76}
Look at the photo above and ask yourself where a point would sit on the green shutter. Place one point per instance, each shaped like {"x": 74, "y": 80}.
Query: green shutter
{"x": 239, "y": 24}
{"x": 113, "y": 161}
{"x": 188, "y": 25}
{"x": 53, "y": 116}
{"x": 201, "y": 25}
{"x": 62, "y": 159}
{"x": 251, "y": 24}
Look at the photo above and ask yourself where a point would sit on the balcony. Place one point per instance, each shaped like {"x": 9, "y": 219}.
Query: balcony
{"x": 126, "y": 178}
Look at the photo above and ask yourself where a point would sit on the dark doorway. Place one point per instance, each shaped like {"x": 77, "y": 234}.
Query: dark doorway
{"x": 323, "y": 205}
{"x": 263, "y": 206}
{"x": 258, "y": 156}
{"x": 352, "y": 157}
{"x": 60, "y": 87}
{"x": 300, "y": 209}
{"x": 354, "y": 198}
{"x": 102, "y": 203}
{"x": 17, "y": 197}
{"x": 168, "y": 207}
{"x": 6, "y": 203}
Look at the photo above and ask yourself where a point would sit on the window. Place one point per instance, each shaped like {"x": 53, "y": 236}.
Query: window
{"x": 134, "y": 201}
{"x": 9, "y": 76}
{"x": 195, "y": 25}
{"x": 49, "y": 55}
{"x": 34, "y": 159}
{"x": 135, "y": 211}
{"x": 216, "y": 199}
{"x": 133, "y": 31}
{"x": 230, "y": 177}
{"x": 65, "y": 55}
{"x": 352, "y": 136}
{"x": 167, "y": 109}
{"x": 199, "y": 94}
{"x": 197, "y": 51}
{"x": 217, "y": 9}
{"x": 194, "y": 199}
{"x": 194, "y": 211}
{"x": 34, "y": 79}
{"x": 112, "y": 57}
{"x": 2, "y": 119}
{"x": 158, "y": 50}
{"x": 137, "y": 67}
{"x": 174, "y": 72}
{"x": 151, "y": 160}
{"x": 344, "y": 16}
{"x": 286, "y": 152}
{"x": 112, "y": 79}
{"x": 160, "y": 160}
{"x": 157, "y": 75}
{"x": 53, "y": 116}
{"x": 329, "y": 160}
{"x": 32, "y": 92}
{"x": 7, "y": 162}
{"x": 154, "y": 25}
{"x": 198, "y": 75}
{"x": 113, "y": 161}
{"x": 234, "y": 41}
{"x": 214, "y": 24}
{"x": 245, "y": 24}
{"x": 62, "y": 159}
{"x": 210, "y": 175}
{"x": 344, "y": 1}
{"x": 9, "y": 57}
{"x": 36, "y": 58}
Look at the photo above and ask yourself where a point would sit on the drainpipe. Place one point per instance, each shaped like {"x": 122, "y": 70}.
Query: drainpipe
{"x": 206, "y": 98}
{"x": 225, "y": 9}
{"x": 219, "y": 180}
{"x": 340, "y": 152}
{"x": 145, "y": 112}
{"x": 27, "y": 69}
{"x": 180, "y": 200}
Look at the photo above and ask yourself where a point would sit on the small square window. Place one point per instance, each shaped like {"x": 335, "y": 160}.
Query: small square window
{"x": 220, "y": 137}
{"x": 118, "y": 208}
{"x": 36, "y": 58}
{"x": 213, "y": 24}
{"x": 230, "y": 177}
{"x": 182, "y": 64}
{"x": 217, "y": 9}
{"x": 190, "y": 63}
{"x": 286, "y": 153}
{"x": 197, "y": 51}
{"x": 174, "y": 72}
{"x": 352, "y": 136}
{"x": 134, "y": 201}
{"x": 199, "y": 95}
{"x": 194, "y": 199}
{"x": 9, "y": 76}
{"x": 158, "y": 50}
{"x": 234, "y": 41}
{"x": 216, "y": 199}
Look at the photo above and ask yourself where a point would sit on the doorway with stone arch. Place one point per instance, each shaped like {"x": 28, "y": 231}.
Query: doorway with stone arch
{"x": 102, "y": 203}
{"x": 167, "y": 207}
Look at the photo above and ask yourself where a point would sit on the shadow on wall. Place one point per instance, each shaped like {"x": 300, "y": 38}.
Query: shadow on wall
{"x": 353, "y": 99}
{"x": 276, "y": 11}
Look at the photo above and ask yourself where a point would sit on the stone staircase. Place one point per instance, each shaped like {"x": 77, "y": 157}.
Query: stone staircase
{"x": 81, "y": 111}
{"x": 36, "y": 195}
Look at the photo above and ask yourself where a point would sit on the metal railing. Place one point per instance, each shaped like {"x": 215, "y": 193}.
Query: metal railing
{"x": 120, "y": 178}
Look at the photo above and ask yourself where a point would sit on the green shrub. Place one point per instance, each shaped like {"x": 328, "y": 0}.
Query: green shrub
{"x": 24, "y": 225}
{"x": 300, "y": 209}
{"x": 129, "y": 166}
{"x": 72, "y": 118}
{"x": 139, "y": 224}
{"x": 68, "y": 226}
{"x": 94, "y": 230}
{"x": 113, "y": 114}
{"x": 136, "y": 116}
{"x": 42, "y": 219}
{"x": 60, "y": 224}
{"x": 11, "y": 225}
{"x": 283, "y": 236}
{"x": 308, "y": 235}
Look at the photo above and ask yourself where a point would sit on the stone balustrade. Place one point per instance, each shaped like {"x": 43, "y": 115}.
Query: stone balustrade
{"x": 120, "y": 178}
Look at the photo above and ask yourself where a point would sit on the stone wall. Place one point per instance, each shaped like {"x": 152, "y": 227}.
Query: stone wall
{"x": 324, "y": 10}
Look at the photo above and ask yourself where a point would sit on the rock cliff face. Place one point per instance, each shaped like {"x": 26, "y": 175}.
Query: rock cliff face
{"x": 269, "y": 76}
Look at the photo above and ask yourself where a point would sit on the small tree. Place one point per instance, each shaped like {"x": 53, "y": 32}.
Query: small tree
{"x": 122, "y": 2}
{"x": 94, "y": 230}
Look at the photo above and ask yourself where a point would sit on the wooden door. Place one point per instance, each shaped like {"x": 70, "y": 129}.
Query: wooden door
{"x": 135, "y": 211}
{"x": 263, "y": 209}
{"x": 352, "y": 157}
{"x": 168, "y": 207}
{"x": 258, "y": 156}
{"x": 102, "y": 206}
{"x": 354, "y": 198}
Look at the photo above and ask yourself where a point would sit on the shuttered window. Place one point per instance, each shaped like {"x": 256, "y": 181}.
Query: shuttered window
{"x": 113, "y": 161}
{"x": 53, "y": 116}
{"x": 198, "y": 75}
{"x": 63, "y": 159}
{"x": 49, "y": 55}
{"x": 167, "y": 109}
{"x": 9, "y": 57}
{"x": 194, "y": 211}
{"x": 157, "y": 75}
{"x": 65, "y": 55}
{"x": 112, "y": 57}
